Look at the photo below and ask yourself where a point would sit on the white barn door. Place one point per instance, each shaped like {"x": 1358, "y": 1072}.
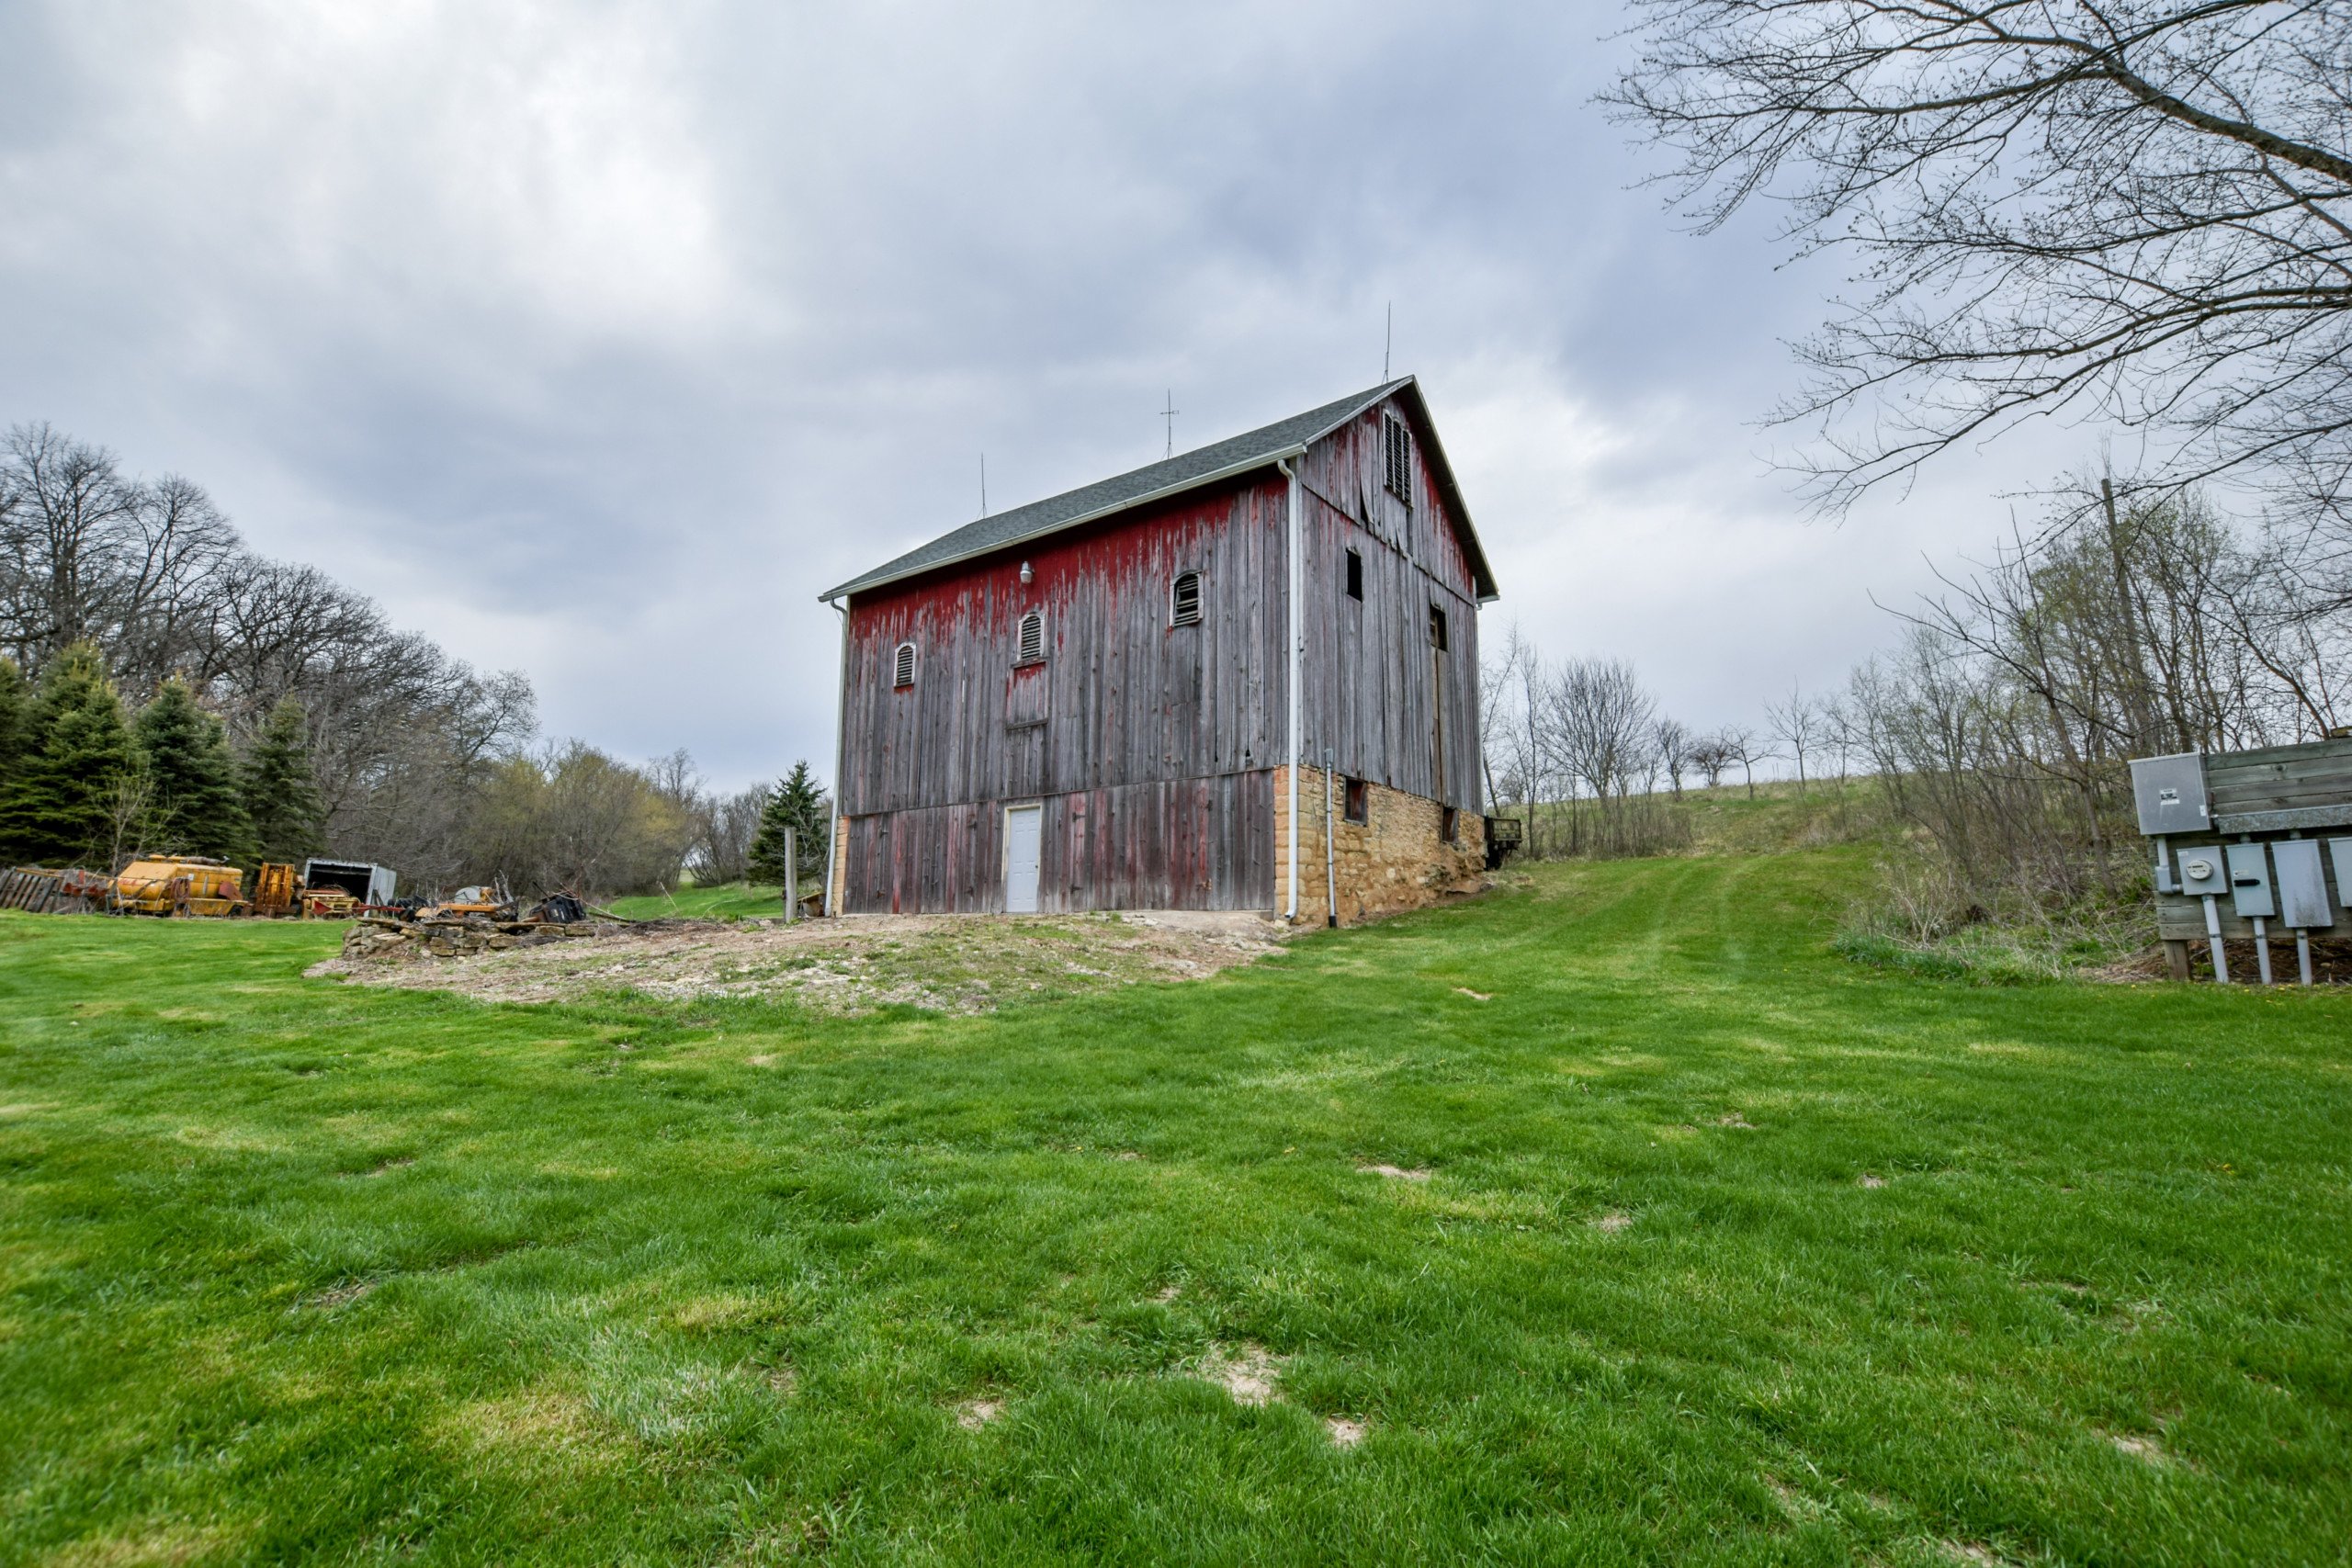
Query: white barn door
{"x": 1022, "y": 826}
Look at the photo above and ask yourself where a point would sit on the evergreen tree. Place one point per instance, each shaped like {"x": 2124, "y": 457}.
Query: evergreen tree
{"x": 197, "y": 807}
{"x": 281, "y": 800}
{"x": 74, "y": 798}
{"x": 799, "y": 805}
{"x": 15, "y": 720}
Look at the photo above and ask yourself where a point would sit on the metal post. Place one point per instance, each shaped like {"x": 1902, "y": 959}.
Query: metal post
{"x": 791, "y": 875}
{"x": 1330, "y": 866}
{"x": 2303, "y": 954}
{"x": 2214, "y": 935}
{"x": 2262, "y": 949}
{"x": 1298, "y": 587}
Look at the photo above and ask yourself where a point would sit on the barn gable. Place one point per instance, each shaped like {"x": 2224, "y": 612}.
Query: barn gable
{"x": 1213, "y": 464}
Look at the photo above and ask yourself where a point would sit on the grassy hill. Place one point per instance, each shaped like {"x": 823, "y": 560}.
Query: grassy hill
{"x": 1700, "y": 1244}
{"x": 732, "y": 900}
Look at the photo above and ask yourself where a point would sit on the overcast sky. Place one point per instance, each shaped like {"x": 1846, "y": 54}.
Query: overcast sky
{"x": 597, "y": 339}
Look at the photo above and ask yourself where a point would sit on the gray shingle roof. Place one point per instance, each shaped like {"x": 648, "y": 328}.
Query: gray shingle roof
{"x": 1187, "y": 470}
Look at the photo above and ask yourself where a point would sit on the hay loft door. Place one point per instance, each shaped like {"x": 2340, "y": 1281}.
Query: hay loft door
{"x": 1022, "y": 826}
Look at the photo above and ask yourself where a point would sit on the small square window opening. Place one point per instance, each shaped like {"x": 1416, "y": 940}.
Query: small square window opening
{"x": 1359, "y": 801}
{"x": 1355, "y": 575}
{"x": 1437, "y": 628}
{"x": 1184, "y": 600}
{"x": 1449, "y": 825}
{"x": 1031, "y": 642}
{"x": 902, "y": 666}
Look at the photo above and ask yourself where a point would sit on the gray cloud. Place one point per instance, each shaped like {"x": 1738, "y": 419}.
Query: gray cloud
{"x": 595, "y": 338}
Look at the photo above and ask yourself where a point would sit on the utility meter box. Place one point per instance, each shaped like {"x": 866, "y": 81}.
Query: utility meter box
{"x": 2340, "y": 851}
{"x": 2170, "y": 794}
{"x": 2303, "y": 883}
{"x": 2250, "y": 881}
{"x": 2202, "y": 870}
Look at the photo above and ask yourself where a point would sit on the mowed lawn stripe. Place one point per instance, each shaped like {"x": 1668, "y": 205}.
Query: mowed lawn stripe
{"x": 1701, "y": 1245}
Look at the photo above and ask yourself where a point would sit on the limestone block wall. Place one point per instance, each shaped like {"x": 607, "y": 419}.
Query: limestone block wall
{"x": 1396, "y": 859}
{"x": 838, "y": 862}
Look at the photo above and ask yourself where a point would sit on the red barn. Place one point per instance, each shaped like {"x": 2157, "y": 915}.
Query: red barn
{"x": 1153, "y": 693}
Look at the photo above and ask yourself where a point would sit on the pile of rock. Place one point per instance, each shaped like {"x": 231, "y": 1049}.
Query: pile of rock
{"x": 378, "y": 938}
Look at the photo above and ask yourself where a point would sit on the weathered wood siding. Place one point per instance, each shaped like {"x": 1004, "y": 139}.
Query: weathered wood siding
{"x": 1376, "y": 691}
{"x": 1140, "y": 737}
{"x": 1150, "y": 746}
{"x": 1122, "y": 697}
{"x": 1204, "y": 843}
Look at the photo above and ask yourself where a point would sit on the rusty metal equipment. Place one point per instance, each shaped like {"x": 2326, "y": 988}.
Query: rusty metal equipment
{"x": 1504, "y": 834}
{"x": 274, "y": 889}
{"x": 184, "y": 886}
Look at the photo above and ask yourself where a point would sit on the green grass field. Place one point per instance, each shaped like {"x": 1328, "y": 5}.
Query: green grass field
{"x": 733, "y": 900}
{"x": 1730, "y": 1251}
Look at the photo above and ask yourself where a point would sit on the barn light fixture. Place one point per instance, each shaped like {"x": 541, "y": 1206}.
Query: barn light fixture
{"x": 1027, "y": 577}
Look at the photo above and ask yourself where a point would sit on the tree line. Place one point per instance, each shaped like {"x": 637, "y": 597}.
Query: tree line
{"x": 164, "y": 688}
{"x": 2131, "y": 621}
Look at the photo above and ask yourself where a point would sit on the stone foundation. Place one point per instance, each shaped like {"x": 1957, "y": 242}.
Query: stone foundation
{"x": 1396, "y": 859}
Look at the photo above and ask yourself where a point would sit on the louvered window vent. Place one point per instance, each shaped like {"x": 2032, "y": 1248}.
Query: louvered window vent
{"x": 1399, "y": 453}
{"x": 1184, "y": 600}
{"x": 1031, "y": 639}
{"x": 902, "y": 666}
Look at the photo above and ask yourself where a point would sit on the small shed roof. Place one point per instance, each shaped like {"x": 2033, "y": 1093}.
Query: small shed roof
{"x": 1186, "y": 470}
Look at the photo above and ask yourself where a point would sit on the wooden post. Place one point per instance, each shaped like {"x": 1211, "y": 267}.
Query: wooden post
{"x": 791, "y": 877}
{"x": 2177, "y": 957}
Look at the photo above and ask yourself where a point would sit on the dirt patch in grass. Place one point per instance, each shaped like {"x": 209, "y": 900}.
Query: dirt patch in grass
{"x": 165, "y": 1542}
{"x": 955, "y": 964}
{"x": 1249, "y": 1373}
{"x": 1394, "y": 1173}
{"x": 975, "y": 1413}
{"x": 1345, "y": 1434}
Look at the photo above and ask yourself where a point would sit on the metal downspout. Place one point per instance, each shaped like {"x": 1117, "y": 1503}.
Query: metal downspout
{"x": 1298, "y": 588}
{"x": 840, "y": 755}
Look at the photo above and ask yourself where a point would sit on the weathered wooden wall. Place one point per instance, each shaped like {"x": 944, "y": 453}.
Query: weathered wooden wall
{"x": 2247, "y": 788}
{"x": 1150, "y": 744}
{"x": 1376, "y": 691}
{"x": 1178, "y": 844}
{"x": 1122, "y": 696}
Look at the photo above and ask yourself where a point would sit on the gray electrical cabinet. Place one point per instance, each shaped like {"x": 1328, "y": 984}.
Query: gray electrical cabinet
{"x": 2340, "y": 851}
{"x": 2170, "y": 793}
{"x": 2303, "y": 883}
{"x": 2250, "y": 882}
{"x": 2202, "y": 870}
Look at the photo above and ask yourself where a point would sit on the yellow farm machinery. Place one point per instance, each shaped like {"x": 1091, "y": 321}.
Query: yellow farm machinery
{"x": 199, "y": 886}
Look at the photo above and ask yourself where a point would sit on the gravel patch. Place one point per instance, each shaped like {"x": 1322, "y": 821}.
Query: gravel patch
{"x": 953, "y": 964}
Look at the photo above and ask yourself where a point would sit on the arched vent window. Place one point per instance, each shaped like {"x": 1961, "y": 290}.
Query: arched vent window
{"x": 902, "y": 665}
{"x": 1032, "y": 639}
{"x": 1184, "y": 600}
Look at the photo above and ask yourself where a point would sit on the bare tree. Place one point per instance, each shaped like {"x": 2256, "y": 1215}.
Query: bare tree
{"x": 1795, "y": 722}
{"x": 1740, "y": 744}
{"x": 1599, "y": 722}
{"x": 725, "y": 827}
{"x": 1712, "y": 756}
{"x": 1673, "y": 746}
{"x": 130, "y": 805}
{"x": 2138, "y": 210}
